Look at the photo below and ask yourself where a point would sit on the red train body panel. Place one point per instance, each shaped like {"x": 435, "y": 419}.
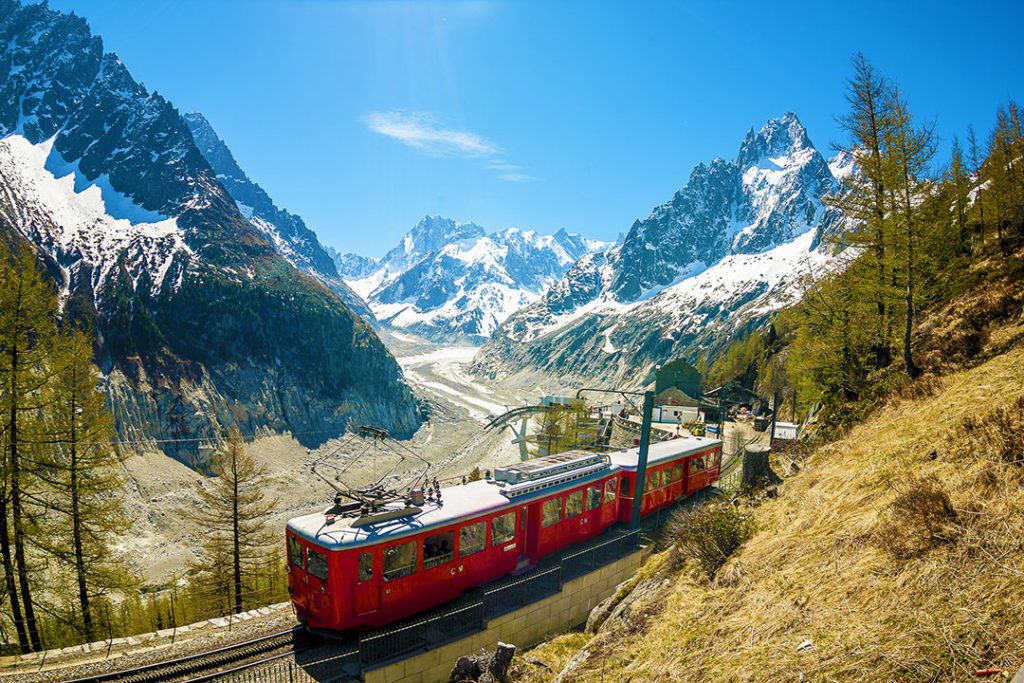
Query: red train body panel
{"x": 344, "y": 577}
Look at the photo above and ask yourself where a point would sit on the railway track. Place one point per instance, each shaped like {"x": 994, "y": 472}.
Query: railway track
{"x": 207, "y": 666}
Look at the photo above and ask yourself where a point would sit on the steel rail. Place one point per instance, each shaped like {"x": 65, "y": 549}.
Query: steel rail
{"x": 198, "y": 662}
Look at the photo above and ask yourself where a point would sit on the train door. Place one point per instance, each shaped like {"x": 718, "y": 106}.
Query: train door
{"x": 398, "y": 575}
{"x": 317, "y": 575}
{"x": 298, "y": 584}
{"x": 528, "y": 536}
{"x": 367, "y": 584}
{"x": 532, "y": 529}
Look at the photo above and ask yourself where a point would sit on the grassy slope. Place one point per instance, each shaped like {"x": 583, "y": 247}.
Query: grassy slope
{"x": 817, "y": 569}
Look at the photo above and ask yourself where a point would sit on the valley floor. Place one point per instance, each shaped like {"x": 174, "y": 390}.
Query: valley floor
{"x": 162, "y": 489}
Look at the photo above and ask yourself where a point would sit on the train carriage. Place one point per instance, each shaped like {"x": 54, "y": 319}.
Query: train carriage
{"x": 353, "y": 569}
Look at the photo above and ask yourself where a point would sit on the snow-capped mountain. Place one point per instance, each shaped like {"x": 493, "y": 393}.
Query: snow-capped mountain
{"x": 199, "y": 320}
{"x": 426, "y": 238}
{"x": 352, "y": 266}
{"x": 287, "y": 232}
{"x": 730, "y": 247}
{"x": 447, "y": 279}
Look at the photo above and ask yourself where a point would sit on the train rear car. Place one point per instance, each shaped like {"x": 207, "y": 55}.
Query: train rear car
{"x": 676, "y": 468}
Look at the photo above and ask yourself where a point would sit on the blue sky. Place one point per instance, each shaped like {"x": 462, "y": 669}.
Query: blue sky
{"x": 364, "y": 116}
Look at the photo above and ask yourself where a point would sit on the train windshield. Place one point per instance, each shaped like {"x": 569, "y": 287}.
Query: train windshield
{"x": 316, "y": 564}
{"x": 295, "y": 551}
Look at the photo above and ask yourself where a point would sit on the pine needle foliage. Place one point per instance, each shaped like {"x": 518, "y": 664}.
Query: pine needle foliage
{"x": 234, "y": 512}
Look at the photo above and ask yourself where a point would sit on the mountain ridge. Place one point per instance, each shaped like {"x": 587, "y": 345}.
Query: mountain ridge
{"x": 194, "y": 309}
{"x": 446, "y": 279}
{"x": 639, "y": 297}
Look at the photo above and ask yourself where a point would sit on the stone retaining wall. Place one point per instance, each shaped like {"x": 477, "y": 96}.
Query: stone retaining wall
{"x": 524, "y": 627}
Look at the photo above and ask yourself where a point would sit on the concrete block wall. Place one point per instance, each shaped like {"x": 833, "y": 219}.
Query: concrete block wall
{"x": 524, "y": 627}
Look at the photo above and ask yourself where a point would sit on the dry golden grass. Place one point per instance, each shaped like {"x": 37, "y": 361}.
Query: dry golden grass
{"x": 815, "y": 569}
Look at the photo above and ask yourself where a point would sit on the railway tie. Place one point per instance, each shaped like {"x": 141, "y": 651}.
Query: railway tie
{"x": 207, "y": 665}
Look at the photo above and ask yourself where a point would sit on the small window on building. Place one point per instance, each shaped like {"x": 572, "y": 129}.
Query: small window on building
{"x": 593, "y": 496}
{"x": 551, "y": 512}
{"x": 472, "y": 538}
{"x": 365, "y": 566}
{"x": 294, "y": 551}
{"x": 316, "y": 564}
{"x": 438, "y": 549}
{"x": 609, "y": 491}
{"x": 399, "y": 561}
{"x": 503, "y": 529}
{"x": 574, "y": 504}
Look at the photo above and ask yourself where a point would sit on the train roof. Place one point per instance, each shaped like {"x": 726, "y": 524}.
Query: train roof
{"x": 462, "y": 502}
{"x": 663, "y": 451}
{"x": 513, "y": 485}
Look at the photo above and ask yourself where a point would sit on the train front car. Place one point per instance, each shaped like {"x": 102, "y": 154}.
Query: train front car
{"x": 676, "y": 468}
{"x": 359, "y": 566}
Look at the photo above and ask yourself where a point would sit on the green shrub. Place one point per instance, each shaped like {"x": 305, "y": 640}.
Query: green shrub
{"x": 709, "y": 535}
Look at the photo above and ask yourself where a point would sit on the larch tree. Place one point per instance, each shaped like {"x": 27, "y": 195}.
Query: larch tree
{"x": 84, "y": 478}
{"x": 234, "y": 512}
{"x": 28, "y": 328}
{"x": 975, "y": 155}
{"x": 908, "y": 152}
{"x": 863, "y": 197}
{"x": 959, "y": 183}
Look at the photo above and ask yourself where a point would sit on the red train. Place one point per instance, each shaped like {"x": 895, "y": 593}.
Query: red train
{"x": 352, "y": 569}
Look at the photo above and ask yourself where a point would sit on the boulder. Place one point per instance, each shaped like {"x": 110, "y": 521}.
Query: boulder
{"x": 484, "y": 666}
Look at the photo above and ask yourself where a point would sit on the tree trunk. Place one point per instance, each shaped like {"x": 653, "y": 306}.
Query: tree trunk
{"x": 16, "y": 512}
{"x": 236, "y": 549}
{"x": 908, "y": 358}
{"x": 756, "y": 469}
{"x": 76, "y": 530}
{"x": 9, "y": 582}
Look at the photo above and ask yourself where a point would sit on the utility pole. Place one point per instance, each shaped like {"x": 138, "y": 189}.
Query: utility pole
{"x": 645, "y": 442}
{"x": 641, "y": 465}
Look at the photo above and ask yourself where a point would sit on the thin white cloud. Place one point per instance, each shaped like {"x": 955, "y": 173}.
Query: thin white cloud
{"x": 421, "y": 131}
{"x": 516, "y": 177}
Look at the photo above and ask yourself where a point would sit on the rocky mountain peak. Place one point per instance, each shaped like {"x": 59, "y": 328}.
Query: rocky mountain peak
{"x": 778, "y": 138}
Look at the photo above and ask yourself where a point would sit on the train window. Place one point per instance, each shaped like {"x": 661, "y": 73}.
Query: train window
{"x": 656, "y": 479}
{"x": 551, "y": 512}
{"x": 365, "y": 566}
{"x": 593, "y": 496}
{"x": 316, "y": 564}
{"x": 609, "y": 491}
{"x": 573, "y": 504}
{"x": 472, "y": 538}
{"x": 696, "y": 465}
{"x": 677, "y": 473}
{"x": 503, "y": 528}
{"x": 295, "y": 551}
{"x": 438, "y": 549}
{"x": 399, "y": 561}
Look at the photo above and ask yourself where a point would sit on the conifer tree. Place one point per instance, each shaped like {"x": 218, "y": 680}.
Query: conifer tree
{"x": 864, "y": 194}
{"x": 234, "y": 512}
{"x": 960, "y": 188}
{"x": 84, "y": 478}
{"x": 974, "y": 152}
{"x": 28, "y": 308}
{"x": 908, "y": 152}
